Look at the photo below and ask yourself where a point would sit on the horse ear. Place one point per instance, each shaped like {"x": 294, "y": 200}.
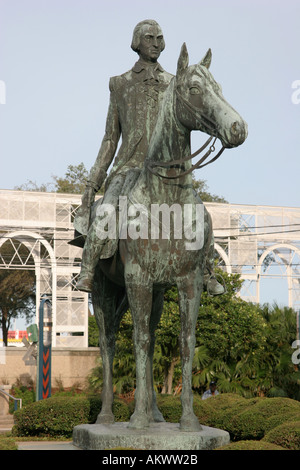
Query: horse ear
{"x": 206, "y": 61}
{"x": 183, "y": 60}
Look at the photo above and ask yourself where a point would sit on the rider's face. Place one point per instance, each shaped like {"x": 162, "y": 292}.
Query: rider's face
{"x": 151, "y": 43}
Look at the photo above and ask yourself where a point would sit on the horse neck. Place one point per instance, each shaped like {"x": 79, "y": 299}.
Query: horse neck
{"x": 170, "y": 141}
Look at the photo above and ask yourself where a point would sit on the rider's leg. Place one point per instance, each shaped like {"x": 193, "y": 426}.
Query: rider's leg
{"x": 94, "y": 241}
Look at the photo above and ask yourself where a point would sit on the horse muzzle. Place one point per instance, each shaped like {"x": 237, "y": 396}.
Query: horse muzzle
{"x": 235, "y": 135}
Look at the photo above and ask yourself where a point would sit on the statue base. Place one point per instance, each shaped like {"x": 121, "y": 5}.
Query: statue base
{"x": 159, "y": 436}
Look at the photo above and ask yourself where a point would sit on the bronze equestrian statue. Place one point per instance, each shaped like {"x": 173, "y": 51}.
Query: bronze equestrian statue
{"x": 140, "y": 267}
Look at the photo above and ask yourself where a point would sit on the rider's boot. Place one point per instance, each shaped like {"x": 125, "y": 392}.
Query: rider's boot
{"x": 212, "y": 286}
{"x": 210, "y": 283}
{"x": 86, "y": 277}
{"x": 85, "y": 280}
{"x": 90, "y": 257}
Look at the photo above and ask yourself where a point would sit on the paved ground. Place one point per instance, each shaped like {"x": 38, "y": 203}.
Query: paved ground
{"x": 46, "y": 445}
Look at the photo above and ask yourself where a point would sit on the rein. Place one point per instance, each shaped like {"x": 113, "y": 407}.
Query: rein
{"x": 200, "y": 164}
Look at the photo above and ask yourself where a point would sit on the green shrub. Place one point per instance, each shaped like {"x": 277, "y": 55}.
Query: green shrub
{"x": 278, "y": 419}
{"x": 170, "y": 407}
{"x": 210, "y": 412}
{"x": 245, "y": 418}
{"x": 250, "y": 445}
{"x": 260, "y": 417}
{"x": 218, "y": 411}
{"x": 286, "y": 435}
{"x": 26, "y": 394}
{"x": 57, "y": 416}
{"x": 7, "y": 443}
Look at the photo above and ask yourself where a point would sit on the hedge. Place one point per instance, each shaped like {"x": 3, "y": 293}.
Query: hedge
{"x": 7, "y": 443}
{"x": 258, "y": 418}
{"x": 57, "y": 416}
{"x": 247, "y": 418}
{"x": 251, "y": 445}
{"x": 275, "y": 420}
{"x": 286, "y": 435}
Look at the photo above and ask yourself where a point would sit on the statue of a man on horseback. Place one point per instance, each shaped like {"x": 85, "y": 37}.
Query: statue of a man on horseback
{"x": 155, "y": 113}
{"x": 135, "y": 98}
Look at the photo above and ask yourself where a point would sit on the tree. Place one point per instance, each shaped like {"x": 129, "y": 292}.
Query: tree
{"x": 201, "y": 189}
{"x": 17, "y": 297}
{"x": 233, "y": 334}
{"x": 277, "y": 368}
{"x": 17, "y": 287}
{"x": 73, "y": 182}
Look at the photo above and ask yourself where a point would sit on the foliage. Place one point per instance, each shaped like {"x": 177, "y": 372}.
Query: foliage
{"x": 17, "y": 297}
{"x": 74, "y": 181}
{"x": 26, "y": 394}
{"x": 233, "y": 334}
{"x": 54, "y": 416}
{"x": 286, "y": 435}
{"x": 251, "y": 445}
{"x": 93, "y": 336}
{"x": 201, "y": 189}
{"x": 247, "y": 418}
{"x": 57, "y": 416}
{"x": 7, "y": 443}
{"x": 31, "y": 185}
{"x": 251, "y": 422}
{"x": 280, "y": 376}
{"x": 170, "y": 407}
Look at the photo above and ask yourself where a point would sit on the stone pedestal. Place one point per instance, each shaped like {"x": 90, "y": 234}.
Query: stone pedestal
{"x": 159, "y": 436}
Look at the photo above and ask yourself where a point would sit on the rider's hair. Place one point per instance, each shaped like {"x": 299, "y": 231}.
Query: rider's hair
{"x": 137, "y": 34}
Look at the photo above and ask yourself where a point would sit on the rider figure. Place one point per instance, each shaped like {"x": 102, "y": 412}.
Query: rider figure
{"x": 135, "y": 97}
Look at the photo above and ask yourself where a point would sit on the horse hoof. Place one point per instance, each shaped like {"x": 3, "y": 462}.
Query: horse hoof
{"x": 138, "y": 422}
{"x": 157, "y": 416}
{"x": 190, "y": 424}
{"x": 105, "y": 418}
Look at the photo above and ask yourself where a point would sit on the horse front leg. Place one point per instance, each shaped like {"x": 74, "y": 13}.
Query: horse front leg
{"x": 107, "y": 350}
{"x": 140, "y": 301}
{"x": 189, "y": 291}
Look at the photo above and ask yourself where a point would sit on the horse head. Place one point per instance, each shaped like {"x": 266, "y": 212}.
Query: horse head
{"x": 200, "y": 104}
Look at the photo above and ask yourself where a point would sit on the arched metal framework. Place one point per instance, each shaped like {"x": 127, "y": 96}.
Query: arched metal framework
{"x": 43, "y": 222}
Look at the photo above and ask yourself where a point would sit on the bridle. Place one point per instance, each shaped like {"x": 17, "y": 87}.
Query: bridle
{"x": 200, "y": 164}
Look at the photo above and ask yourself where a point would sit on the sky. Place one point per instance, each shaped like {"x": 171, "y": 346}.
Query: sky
{"x": 56, "y": 58}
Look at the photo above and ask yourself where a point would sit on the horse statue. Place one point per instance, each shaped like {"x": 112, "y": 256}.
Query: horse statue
{"x": 146, "y": 265}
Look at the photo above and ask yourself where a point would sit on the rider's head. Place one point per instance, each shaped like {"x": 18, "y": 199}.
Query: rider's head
{"x": 148, "y": 40}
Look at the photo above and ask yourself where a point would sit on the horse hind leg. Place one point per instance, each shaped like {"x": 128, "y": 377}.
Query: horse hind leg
{"x": 189, "y": 291}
